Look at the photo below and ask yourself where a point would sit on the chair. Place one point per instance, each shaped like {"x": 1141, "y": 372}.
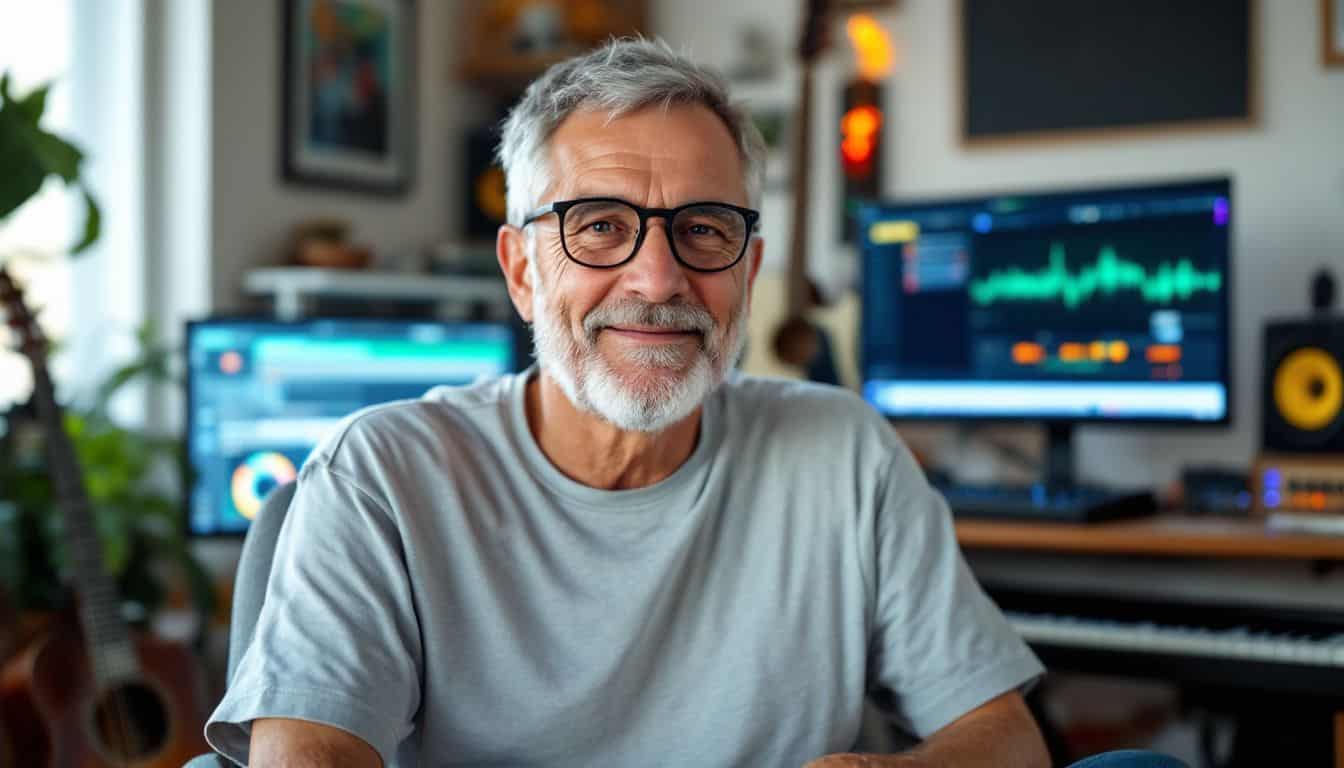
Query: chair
{"x": 249, "y": 588}
{"x": 249, "y": 592}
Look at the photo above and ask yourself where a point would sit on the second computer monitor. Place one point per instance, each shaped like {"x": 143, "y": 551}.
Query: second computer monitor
{"x": 1073, "y": 306}
{"x": 261, "y": 394}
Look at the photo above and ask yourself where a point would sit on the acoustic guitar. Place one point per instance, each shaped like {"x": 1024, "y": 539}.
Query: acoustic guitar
{"x": 89, "y": 693}
{"x": 809, "y": 338}
{"x": 797, "y": 341}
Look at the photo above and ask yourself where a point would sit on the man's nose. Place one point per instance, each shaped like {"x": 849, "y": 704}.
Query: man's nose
{"x": 654, "y": 274}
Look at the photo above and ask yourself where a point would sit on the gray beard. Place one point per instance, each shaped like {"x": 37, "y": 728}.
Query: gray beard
{"x": 647, "y": 401}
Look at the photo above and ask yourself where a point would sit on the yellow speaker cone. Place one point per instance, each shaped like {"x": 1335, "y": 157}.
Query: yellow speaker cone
{"x": 1309, "y": 388}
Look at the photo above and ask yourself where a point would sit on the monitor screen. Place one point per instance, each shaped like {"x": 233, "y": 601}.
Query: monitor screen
{"x": 1086, "y": 305}
{"x": 261, "y": 394}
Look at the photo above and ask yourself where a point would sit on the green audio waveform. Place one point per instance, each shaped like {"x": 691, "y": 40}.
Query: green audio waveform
{"x": 1109, "y": 275}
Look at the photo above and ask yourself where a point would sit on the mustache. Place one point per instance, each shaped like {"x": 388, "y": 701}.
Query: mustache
{"x": 672, "y": 316}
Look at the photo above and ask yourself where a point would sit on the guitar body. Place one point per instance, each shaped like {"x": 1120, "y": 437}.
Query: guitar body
{"x": 838, "y": 320}
{"x": 57, "y": 718}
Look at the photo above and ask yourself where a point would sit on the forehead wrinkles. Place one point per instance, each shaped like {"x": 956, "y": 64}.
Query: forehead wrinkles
{"x": 687, "y": 152}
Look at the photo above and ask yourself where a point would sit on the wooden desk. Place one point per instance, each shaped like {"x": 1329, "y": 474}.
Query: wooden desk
{"x": 1170, "y": 535}
{"x": 1162, "y": 536}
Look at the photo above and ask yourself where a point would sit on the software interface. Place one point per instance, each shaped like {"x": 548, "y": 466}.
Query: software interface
{"x": 1107, "y": 304}
{"x": 261, "y": 395}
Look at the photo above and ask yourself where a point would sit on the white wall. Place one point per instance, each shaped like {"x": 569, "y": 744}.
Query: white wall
{"x": 252, "y": 211}
{"x": 1288, "y": 173}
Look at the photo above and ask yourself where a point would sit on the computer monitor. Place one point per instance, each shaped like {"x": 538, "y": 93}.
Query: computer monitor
{"x": 1065, "y": 307}
{"x": 262, "y": 393}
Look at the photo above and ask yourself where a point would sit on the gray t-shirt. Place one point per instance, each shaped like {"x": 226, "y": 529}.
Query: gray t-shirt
{"x": 443, "y": 592}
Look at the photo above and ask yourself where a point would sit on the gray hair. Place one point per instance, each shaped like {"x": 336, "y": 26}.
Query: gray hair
{"x": 622, "y": 76}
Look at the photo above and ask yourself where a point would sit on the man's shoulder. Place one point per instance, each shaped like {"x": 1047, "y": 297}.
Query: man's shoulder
{"x": 807, "y": 407}
{"x": 442, "y": 417}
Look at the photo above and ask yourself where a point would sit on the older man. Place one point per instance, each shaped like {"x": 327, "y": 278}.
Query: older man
{"x": 626, "y": 556}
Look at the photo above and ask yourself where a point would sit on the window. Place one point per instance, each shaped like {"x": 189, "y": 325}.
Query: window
{"x": 33, "y": 241}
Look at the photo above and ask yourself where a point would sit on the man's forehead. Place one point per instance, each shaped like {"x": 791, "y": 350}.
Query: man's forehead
{"x": 686, "y": 148}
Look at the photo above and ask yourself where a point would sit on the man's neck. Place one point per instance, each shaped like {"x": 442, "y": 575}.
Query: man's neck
{"x": 591, "y": 451}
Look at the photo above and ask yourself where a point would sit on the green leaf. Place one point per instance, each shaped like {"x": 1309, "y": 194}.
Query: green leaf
{"x": 21, "y": 173}
{"x": 57, "y": 155}
{"x": 34, "y": 104}
{"x": 93, "y": 223}
{"x": 113, "y": 384}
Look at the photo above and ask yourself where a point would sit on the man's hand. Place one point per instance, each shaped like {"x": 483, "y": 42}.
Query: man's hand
{"x": 1001, "y": 733}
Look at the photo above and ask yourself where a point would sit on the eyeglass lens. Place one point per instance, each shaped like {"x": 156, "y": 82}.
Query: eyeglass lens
{"x": 604, "y": 233}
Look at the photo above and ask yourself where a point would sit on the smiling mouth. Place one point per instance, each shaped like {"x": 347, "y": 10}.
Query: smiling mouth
{"x": 652, "y": 334}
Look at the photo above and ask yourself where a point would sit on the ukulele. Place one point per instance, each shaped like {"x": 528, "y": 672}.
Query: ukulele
{"x": 797, "y": 341}
{"x": 88, "y": 693}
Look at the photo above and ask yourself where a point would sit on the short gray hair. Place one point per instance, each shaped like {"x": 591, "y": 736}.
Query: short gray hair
{"x": 622, "y": 76}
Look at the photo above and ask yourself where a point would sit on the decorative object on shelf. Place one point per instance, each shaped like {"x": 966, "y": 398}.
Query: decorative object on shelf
{"x": 756, "y": 58}
{"x": 477, "y": 259}
{"x": 482, "y": 190}
{"x": 325, "y": 243}
{"x": 349, "y": 94}
{"x": 509, "y": 42}
{"x": 1332, "y": 33}
{"x": 539, "y": 29}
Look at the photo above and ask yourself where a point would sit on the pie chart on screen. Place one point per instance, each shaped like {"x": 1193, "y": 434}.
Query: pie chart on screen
{"x": 256, "y": 476}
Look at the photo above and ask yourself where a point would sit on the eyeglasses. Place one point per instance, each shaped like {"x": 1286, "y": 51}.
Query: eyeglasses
{"x": 606, "y": 232}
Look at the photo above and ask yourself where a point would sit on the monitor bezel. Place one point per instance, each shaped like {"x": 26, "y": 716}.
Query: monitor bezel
{"x": 869, "y": 208}
{"x": 518, "y": 355}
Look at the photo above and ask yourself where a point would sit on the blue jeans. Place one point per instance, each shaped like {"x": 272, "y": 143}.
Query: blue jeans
{"x": 1129, "y": 758}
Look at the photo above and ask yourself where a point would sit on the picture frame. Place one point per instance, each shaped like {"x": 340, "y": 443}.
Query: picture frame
{"x": 349, "y": 96}
{"x": 1332, "y": 33}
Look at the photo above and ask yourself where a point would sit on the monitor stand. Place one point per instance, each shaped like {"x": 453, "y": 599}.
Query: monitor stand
{"x": 1059, "y": 466}
{"x": 1058, "y": 497}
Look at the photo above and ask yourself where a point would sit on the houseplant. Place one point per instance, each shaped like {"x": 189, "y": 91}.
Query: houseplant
{"x": 135, "y": 510}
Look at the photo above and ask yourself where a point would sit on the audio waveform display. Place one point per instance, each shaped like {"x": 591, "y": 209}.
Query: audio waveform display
{"x": 1110, "y": 274}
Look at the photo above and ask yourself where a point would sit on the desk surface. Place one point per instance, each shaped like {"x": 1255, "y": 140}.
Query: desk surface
{"x": 1165, "y": 535}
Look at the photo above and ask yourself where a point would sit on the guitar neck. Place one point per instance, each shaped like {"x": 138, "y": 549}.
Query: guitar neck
{"x": 797, "y": 294}
{"x": 105, "y": 632}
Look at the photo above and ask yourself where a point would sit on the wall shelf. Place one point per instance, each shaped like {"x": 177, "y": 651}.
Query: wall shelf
{"x": 292, "y": 287}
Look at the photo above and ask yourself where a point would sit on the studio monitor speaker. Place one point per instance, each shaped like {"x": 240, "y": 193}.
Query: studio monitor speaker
{"x": 1302, "y": 400}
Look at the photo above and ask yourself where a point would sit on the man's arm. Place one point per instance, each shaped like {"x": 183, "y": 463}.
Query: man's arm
{"x": 285, "y": 743}
{"x": 1001, "y": 733}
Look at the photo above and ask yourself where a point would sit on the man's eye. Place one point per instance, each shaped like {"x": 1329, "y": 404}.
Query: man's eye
{"x": 703, "y": 230}
{"x": 601, "y": 227}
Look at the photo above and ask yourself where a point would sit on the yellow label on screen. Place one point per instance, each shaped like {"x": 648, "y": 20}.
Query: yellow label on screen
{"x": 888, "y": 232}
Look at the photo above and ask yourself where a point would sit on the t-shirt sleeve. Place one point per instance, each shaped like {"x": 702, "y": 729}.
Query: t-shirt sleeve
{"x": 941, "y": 647}
{"x": 337, "y": 641}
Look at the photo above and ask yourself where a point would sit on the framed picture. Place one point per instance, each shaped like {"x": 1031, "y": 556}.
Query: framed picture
{"x": 349, "y": 94}
{"x": 1332, "y": 33}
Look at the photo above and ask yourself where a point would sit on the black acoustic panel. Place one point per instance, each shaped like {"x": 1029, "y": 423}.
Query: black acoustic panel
{"x": 1033, "y": 66}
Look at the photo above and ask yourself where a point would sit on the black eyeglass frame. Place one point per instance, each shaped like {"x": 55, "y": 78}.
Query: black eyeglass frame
{"x": 560, "y": 207}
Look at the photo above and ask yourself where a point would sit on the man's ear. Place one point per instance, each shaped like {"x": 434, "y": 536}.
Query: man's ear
{"x": 511, "y": 250}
